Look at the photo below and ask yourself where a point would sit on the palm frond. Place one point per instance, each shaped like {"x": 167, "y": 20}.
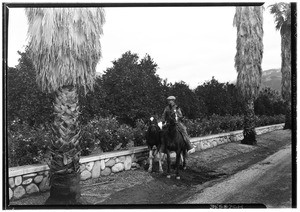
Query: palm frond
{"x": 65, "y": 45}
{"x": 282, "y": 14}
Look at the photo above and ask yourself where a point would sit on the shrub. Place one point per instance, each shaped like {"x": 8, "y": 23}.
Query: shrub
{"x": 99, "y": 133}
{"x": 124, "y": 135}
{"x": 213, "y": 125}
{"x": 139, "y": 133}
{"x": 220, "y": 124}
{"x": 107, "y": 134}
{"x": 269, "y": 120}
{"x": 26, "y": 145}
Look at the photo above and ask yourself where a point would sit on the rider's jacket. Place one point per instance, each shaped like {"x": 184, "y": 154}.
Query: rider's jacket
{"x": 168, "y": 110}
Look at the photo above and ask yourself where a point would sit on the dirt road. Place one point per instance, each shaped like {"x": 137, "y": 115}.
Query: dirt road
{"x": 268, "y": 182}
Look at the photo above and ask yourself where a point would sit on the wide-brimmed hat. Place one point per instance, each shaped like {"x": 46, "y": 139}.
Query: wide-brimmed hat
{"x": 171, "y": 98}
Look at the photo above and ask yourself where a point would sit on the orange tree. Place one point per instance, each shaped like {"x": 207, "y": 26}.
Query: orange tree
{"x": 25, "y": 102}
{"x": 132, "y": 88}
{"x": 191, "y": 106}
{"x": 218, "y": 98}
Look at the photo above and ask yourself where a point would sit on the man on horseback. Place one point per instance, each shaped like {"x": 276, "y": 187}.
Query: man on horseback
{"x": 172, "y": 107}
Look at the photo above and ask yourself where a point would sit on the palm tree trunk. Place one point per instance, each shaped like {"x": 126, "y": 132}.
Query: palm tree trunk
{"x": 65, "y": 149}
{"x": 286, "y": 75}
{"x": 249, "y": 124}
{"x": 288, "y": 115}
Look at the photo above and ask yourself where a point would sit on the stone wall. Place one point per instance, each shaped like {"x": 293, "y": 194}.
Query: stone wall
{"x": 22, "y": 184}
{"x": 25, "y": 180}
{"x": 205, "y": 142}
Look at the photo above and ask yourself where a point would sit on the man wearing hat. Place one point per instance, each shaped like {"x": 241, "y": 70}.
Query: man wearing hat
{"x": 166, "y": 116}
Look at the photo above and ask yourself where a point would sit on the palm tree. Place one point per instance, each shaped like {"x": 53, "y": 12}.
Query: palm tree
{"x": 248, "y": 58}
{"x": 282, "y": 14}
{"x": 65, "y": 49}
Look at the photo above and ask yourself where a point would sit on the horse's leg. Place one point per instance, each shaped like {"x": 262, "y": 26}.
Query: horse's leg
{"x": 178, "y": 156}
{"x": 163, "y": 158}
{"x": 150, "y": 160}
{"x": 184, "y": 159}
{"x": 160, "y": 162}
{"x": 183, "y": 154}
{"x": 168, "y": 164}
{"x": 181, "y": 159}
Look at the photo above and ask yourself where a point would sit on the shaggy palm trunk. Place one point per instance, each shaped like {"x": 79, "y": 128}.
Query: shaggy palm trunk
{"x": 249, "y": 124}
{"x": 288, "y": 115}
{"x": 65, "y": 149}
{"x": 249, "y": 23}
{"x": 286, "y": 74}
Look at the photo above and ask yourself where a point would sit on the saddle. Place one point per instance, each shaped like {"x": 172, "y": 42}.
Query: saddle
{"x": 180, "y": 130}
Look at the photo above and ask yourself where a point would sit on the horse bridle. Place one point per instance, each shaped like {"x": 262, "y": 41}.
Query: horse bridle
{"x": 176, "y": 116}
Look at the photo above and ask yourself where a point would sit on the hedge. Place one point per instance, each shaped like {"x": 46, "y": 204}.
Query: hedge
{"x": 28, "y": 145}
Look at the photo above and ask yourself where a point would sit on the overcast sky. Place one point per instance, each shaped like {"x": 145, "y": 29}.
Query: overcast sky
{"x": 191, "y": 44}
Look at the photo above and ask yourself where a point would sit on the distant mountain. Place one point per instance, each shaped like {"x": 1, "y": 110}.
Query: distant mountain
{"x": 271, "y": 78}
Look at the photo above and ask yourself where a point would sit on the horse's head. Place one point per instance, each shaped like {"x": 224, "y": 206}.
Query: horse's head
{"x": 173, "y": 117}
{"x": 152, "y": 121}
{"x": 153, "y": 124}
{"x": 153, "y": 132}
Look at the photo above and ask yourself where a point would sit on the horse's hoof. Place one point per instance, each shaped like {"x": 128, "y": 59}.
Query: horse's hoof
{"x": 184, "y": 168}
{"x": 149, "y": 170}
{"x": 161, "y": 171}
{"x": 178, "y": 178}
{"x": 169, "y": 176}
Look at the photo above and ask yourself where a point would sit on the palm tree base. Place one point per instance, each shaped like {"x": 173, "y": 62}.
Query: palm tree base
{"x": 249, "y": 142}
{"x": 287, "y": 127}
{"x": 249, "y": 139}
{"x": 249, "y": 123}
{"x": 65, "y": 190}
{"x": 288, "y": 121}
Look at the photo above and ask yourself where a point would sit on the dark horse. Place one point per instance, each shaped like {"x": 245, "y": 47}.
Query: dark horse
{"x": 153, "y": 140}
{"x": 174, "y": 141}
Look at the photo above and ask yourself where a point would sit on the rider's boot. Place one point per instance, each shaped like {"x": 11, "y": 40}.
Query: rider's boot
{"x": 190, "y": 147}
